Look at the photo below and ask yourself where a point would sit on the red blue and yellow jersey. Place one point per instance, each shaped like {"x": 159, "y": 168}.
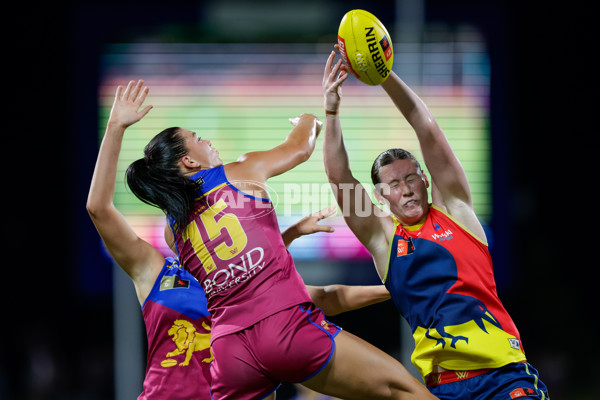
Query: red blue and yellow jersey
{"x": 178, "y": 330}
{"x": 232, "y": 244}
{"x": 441, "y": 279}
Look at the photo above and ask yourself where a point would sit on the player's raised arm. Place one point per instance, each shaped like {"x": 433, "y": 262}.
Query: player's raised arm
{"x": 444, "y": 167}
{"x": 295, "y": 149}
{"x": 133, "y": 254}
{"x": 372, "y": 228}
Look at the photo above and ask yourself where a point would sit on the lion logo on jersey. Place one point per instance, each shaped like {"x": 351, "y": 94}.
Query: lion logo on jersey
{"x": 187, "y": 340}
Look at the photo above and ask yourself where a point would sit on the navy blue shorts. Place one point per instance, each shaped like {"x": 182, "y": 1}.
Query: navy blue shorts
{"x": 513, "y": 381}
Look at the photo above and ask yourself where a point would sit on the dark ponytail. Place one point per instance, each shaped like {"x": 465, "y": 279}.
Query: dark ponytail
{"x": 156, "y": 179}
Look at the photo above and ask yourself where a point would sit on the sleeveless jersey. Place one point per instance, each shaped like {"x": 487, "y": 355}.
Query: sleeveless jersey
{"x": 233, "y": 246}
{"x": 178, "y": 330}
{"x": 441, "y": 279}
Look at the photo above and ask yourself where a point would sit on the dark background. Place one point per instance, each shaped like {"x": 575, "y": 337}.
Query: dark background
{"x": 57, "y": 338}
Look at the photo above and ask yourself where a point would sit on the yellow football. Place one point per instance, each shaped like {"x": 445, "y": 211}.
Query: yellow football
{"x": 365, "y": 47}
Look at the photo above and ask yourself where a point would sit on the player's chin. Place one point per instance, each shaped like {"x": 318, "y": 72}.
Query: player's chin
{"x": 412, "y": 213}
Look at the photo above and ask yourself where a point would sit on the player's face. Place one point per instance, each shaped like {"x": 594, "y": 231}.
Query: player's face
{"x": 404, "y": 187}
{"x": 200, "y": 150}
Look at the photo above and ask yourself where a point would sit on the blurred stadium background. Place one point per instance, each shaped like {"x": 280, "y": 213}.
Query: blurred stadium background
{"x": 503, "y": 80}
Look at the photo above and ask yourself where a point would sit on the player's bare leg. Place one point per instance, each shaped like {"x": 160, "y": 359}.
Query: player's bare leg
{"x": 359, "y": 370}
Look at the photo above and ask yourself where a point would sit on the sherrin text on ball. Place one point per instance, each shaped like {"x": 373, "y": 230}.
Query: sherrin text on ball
{"x": 365, "y": 47}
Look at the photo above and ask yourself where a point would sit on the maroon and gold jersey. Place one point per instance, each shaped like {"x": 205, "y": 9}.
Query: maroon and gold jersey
{"x": 178, "y": 330}
{"x": 232, "y": 244}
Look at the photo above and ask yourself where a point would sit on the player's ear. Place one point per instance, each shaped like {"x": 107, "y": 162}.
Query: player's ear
{"x": 189, "y": 162}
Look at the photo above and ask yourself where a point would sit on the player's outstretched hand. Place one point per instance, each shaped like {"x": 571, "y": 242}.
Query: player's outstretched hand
{"x": 126, "y": 107}
{"x": 309, "y": 224}
{"x": 333, "y": 77}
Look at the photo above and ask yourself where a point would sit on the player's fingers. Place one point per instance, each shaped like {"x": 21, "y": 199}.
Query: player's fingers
{"x": 136, "y": 89}
{"x": 325, "y": 228}
{"x": 325, "y": 212}
{"x": 335, "y": 69}
{"x": 338, "y": 82}
{"x": 145, "y": 111}
{"x": 127, "y": 90}
{"x": 332, "y": 75}
{"x": 327, "y": 71}
{"x": 329, "y": 63}
{"x": 143, "y": 95}
{"x": 119, "y": 92}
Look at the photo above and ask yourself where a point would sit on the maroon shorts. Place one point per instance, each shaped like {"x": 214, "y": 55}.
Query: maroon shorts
{"x": 292, "y": 345}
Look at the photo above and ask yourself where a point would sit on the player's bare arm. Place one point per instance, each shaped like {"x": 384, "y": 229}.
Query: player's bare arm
{"x": 336, "y": 299}
{"x": 252, "y": 170}
{"x": 446, "y": 170}
{"x": 374, "y": 229}
{"x": 136, "y": 257}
